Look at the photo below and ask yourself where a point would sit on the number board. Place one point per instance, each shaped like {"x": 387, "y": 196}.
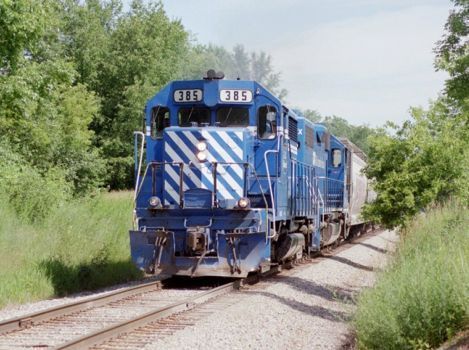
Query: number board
{"x": 240, "y": 96}
{"x": 192, "y": 95}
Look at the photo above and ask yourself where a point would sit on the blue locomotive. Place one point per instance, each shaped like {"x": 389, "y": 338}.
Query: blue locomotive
{"x": 234, "y": 182}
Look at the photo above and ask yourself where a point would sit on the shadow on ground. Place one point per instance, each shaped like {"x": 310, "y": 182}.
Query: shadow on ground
{"x": 350, "y": 263}
{"x": 380, "y": 250}
{"x": 67, "y": 278}
{"x": 327, "y": 292}
{"x": 311, "y": 310}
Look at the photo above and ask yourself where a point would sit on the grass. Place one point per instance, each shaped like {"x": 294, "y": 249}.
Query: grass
{"x": 422, "y": 299}
{"x": 81, "y": 245}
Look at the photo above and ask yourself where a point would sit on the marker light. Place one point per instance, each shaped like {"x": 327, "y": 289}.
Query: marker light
{"x": 154, "y": 202}
{"x": 201, "y": 146}
{"x": 243, "y": 203}
{"x": 202, "y": 156}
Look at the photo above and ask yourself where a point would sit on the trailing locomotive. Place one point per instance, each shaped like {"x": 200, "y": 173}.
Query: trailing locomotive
{"x": 233, "y": 181}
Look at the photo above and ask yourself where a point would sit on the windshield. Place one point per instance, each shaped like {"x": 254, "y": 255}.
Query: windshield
{"x": 232, "y": 116}
{"x": 194, "y": 116}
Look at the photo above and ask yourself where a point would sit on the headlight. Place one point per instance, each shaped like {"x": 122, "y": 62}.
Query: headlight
{"x": 154, "y": 202}
{"x": 201, "y": 146}
{"x": 243, "y": 203}
{"x": 202, "y": 156}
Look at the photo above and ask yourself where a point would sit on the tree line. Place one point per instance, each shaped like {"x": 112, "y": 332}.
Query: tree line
{"x": 74, "y": 77}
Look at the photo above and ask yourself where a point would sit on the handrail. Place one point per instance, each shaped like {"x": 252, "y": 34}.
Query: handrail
{"x": 136, "y": 134}
{"x": 218, "y": 163}
{"x": 335, "y": 193}
{"x": 250, "y": 166}
{"x": 272, "y": 199}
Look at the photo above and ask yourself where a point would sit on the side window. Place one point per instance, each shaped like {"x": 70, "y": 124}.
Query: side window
{"x": 159, "y": 121}
{"x": 318, "y": 138}
{"x": 267, "y": 122}
{"x": 336, "y": 157}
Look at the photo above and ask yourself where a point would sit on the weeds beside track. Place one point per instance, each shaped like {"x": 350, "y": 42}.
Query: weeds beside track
{"x": 81, "y": 245}
{"x": 421, "y": 300}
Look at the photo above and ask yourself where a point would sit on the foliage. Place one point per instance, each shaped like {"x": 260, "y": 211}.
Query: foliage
{"x": 238, "y": 63}
{"x": 45, "y": 119}
{"x": 48, "y": 258}
{"x": 423, "y": 161}
{"x": 22, "y": 24}
{"x": 33, "y": 195}
{"x": 427, "y": 159}
{"x": 453, "y": 52}
{"x": 124, "y": 58}
{"x": 421, "y": 300}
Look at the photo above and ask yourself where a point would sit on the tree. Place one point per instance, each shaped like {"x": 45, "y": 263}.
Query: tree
{"x": 145, "y": 52}
{"x": 22, "y": 24}
{"x": 44, "y": 113}
{"x": 453, "y": 53}
{"x": 124, "y": 58}
{"x": 238, "y": 63}
{"x": 425, "y": 160}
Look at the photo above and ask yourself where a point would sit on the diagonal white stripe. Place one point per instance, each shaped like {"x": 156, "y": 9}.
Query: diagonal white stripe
{"x": 231, "y": 182}
{"x": 182, "y": 146}
{"x": 187, "y": 170}
{"x": 174, "y": 175}
{"x": 190, "y": 136}
{"x": 214, "y": 144}
{"x": 226, "y": 157}
{"x": 233, "y": 145}
{"x": 172, "y": 192}
{"x": 221, "y": 190}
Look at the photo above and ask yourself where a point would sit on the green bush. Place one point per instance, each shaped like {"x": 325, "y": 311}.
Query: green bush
{"x": 31, "y": 193}
{"x": 422, "y": 299}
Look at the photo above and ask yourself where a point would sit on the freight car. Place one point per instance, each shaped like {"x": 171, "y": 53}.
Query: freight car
{"x": 233, "y": 181}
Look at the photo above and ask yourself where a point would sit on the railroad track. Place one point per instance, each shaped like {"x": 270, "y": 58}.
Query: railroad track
{"x": 92, "y": 321}
{"x": 126, "y": 318}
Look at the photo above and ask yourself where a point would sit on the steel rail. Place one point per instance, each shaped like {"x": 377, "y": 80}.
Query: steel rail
{"x": 31, "y": 319}
{"x": 113, "y": 331}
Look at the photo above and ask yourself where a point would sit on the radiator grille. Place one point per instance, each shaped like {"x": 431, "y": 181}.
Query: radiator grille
{"x": 309, "y": 137}
{"x": 293, "y": 129}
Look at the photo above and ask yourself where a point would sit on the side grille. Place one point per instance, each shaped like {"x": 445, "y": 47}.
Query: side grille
{"x": 309, "y": 137}
{"x": 293, "y": 129}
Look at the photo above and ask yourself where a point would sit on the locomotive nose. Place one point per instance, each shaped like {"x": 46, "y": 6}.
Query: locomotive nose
{"x": 210, "y": 159}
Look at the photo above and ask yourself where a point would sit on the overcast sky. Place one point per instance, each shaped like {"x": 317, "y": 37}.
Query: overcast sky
{"x": 365, "y": 60}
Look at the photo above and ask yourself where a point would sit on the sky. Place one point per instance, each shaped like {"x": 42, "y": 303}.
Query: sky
{"x": 367, "y": 61}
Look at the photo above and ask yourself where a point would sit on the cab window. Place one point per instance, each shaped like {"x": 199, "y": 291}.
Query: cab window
{"x": 232, "y": 116}
{"x": 159, "y": 121}
{"x": 267, "y": 122}
{"x": 194, "y": 116}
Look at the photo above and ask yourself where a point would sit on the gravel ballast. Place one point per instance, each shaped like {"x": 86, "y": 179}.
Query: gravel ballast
{"x": 308, "y": 309}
